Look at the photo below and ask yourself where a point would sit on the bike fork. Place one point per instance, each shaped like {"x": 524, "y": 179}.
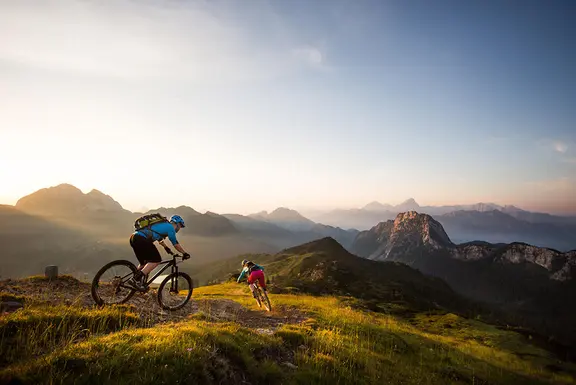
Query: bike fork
{"x": 174, "y": 283}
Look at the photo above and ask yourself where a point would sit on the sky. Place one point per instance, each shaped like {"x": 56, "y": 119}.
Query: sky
{"x": 242, "y": 106}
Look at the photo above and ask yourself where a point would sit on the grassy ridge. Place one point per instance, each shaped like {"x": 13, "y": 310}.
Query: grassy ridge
{"x": 38, "y": 329}
{"x": 336, "y": 344}
{"x": 345, "y": 343}
{"x": 325, "y": 267}
{"x": 195, "y": 351}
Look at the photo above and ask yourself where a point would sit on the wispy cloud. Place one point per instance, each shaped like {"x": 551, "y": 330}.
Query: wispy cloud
{"x": 309, "y": 55}
{"x": 180, "y": 41}
{"x": 560, "y": 146}
{"x": 557, "y": 145}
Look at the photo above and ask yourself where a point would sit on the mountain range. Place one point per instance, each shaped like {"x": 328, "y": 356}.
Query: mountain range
{"x": 464, "y": 223}
{"x": 324, "y": 267}
{"x": 411, "y": 263}
{"x": 528, "y": 280}
{"x": 82, "y": 231}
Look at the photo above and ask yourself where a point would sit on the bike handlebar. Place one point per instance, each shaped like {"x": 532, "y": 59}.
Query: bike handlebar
{"x": 184, "y": 257}
{"x": 168, "y": 251}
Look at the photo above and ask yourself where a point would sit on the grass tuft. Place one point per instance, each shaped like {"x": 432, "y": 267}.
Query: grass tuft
{"x": 33, "y": 331}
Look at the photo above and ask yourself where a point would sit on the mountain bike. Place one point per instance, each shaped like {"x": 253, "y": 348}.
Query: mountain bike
{"x": 261, "y": 297}
{"x": 110, "y": 285}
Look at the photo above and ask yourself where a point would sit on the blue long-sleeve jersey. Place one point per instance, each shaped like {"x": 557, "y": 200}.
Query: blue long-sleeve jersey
{"x": 159, "y": 231}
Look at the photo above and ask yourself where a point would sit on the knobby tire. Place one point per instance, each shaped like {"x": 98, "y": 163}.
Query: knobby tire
{"x": 95, "y": 282}
{"x": 167, "y": 281}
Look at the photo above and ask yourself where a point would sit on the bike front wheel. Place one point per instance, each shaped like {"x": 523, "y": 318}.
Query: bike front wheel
{"x": 175, "y": 291}
{"x": 256, "y": 295}
{"x": 110, "y": 285}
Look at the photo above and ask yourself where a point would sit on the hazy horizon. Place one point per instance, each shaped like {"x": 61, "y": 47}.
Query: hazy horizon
{"x": 308, "y": 105}
{"x": 302, "y": 209}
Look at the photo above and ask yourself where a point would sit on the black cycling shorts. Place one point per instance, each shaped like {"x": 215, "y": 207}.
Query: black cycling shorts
{"x": 144, "y": 249}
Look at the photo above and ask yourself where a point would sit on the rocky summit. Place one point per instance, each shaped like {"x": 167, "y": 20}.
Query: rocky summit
{"x": 412, "y": 236}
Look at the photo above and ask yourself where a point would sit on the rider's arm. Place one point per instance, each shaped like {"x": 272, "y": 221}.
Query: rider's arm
{"x": 174, "y": 241}
{"x": 179, "y": 248}
{"x": 244, "y": 270}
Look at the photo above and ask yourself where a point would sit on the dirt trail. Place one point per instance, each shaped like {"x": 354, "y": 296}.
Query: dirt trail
{"x": 69, "y": 291}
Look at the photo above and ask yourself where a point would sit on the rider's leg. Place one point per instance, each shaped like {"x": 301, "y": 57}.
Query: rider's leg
{"x": 144, "y": 271}
{"x": 259, "y": 275}
{"x": 140, "y": 253}
{"x": 149, "y": 267}
{"x": 147, "y": 255}
{"x": 251, "y": 284}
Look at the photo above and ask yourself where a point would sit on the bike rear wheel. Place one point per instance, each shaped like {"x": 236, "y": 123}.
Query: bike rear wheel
{"x": 175, "y": 291}
{"x": 110, "y": 285}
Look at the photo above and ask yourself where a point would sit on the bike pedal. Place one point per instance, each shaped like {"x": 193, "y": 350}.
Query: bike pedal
{"x": 139, "y": 289}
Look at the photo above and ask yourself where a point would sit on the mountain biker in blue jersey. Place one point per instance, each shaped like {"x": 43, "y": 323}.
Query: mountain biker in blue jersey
{"x": 142, "y": 242}
{"x": 256, "y": 273}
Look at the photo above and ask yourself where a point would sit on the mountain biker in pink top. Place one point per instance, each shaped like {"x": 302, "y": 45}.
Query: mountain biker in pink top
{"x": 256, "y": 272}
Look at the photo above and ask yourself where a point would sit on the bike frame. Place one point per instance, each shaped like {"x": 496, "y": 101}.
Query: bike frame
{"x": 257, "y": 285}
{"x": 260, "y": 293}
{"x": 167, "y": 263}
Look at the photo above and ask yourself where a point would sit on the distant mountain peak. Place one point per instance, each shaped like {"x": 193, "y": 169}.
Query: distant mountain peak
{"x": 96, "y": 192}
{"x": 377, "y": 206}
{"x": 326, "y": 245}
{"x": 180, "y": 210}
{"x": 410, "y": 216}
{"x": 286, "y": 214}
{"x": 99, "y": 194}
{"x": 64, "y": 186}
{"x": 511, "y": 209}
{"x": 494, "y": 213}
{"x": 409, "y": 204}
{"x": 101, "y": 201}
{"x": 285, "y": 211}
{"x": 413, "y": 237}
{"x": 408, "y": 233}
{"x": 286, "y": 218}
{"x": 430, "y": 230}
{"x": 66, "y": 198}
{"x": 259, "y": 214}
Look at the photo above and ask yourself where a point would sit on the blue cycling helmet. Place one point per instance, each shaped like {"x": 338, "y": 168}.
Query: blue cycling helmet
{"x": 244, "y": 262}
{"x": 177, "y": 219}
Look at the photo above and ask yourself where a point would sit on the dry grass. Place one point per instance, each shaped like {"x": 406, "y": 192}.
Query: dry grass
{"x": 333, "y": 344}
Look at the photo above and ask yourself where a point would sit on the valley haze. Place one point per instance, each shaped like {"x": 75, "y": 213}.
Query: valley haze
{"x": 79, "y": 231}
